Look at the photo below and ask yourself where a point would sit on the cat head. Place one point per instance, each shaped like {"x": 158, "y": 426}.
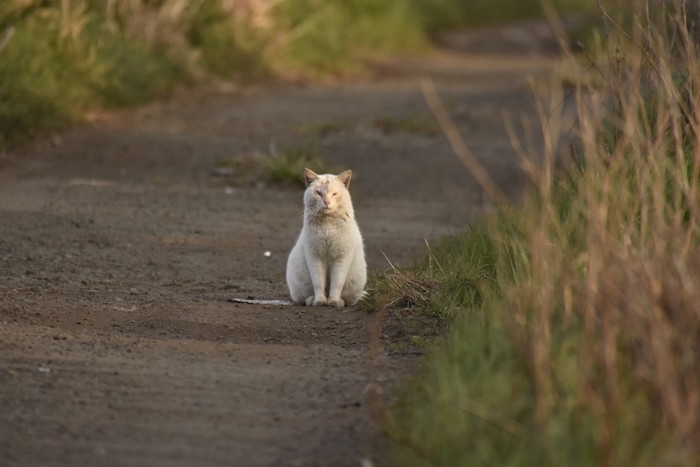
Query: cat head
{"x": 326, "y": 193}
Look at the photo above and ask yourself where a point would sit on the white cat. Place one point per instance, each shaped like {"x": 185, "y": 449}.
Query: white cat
{"x": 327, "y": 264}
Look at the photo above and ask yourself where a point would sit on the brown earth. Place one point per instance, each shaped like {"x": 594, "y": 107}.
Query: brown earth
{"x": 120, "y": 249}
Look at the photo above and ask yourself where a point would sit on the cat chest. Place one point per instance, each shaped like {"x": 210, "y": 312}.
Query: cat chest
{"x": 331, "y": 244}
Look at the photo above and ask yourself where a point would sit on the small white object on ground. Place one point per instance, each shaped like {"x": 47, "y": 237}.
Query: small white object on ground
{"x": 251, "y": 301}
{"x": 267, "y": 253}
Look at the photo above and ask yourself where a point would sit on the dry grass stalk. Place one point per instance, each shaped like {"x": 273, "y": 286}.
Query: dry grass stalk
{"x": 631, "y": 276}
{"x": 408, "y": 289}
{"x": 458, "y": 146}
{"x": 636, "y": 211}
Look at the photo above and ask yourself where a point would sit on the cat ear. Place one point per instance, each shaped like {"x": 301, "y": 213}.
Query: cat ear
{"x": 345, "y": 178}
{"x": 309, "y": 176}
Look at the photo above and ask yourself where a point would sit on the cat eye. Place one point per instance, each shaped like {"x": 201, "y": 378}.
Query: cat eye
{"x": 335, "y": 194}
{"x": 318, "y": 192}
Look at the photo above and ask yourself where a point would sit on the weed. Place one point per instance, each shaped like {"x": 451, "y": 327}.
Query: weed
{"x": 287, "y": 166}
{"x": 283, "y": 167}
{"x": 585, "y": 347}
{"x": 459, "y": 273}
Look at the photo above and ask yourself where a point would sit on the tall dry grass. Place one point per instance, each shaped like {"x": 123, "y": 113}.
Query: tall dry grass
{"x": 629, "y": 270}
{"x": 588, "y": 350}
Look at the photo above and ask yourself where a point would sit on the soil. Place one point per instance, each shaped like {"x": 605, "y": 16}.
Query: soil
{"x": 122, "y": 244}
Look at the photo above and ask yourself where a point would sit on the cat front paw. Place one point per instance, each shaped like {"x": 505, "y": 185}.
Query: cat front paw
{"x": 313, "y": 301}
{"x": 336, "y": 302}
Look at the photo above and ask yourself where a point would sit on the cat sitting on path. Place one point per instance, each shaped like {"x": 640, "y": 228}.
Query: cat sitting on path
{"x": 327, "y": 264}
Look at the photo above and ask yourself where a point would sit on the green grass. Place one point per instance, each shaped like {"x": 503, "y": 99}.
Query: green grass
{"x": 511, "y": 382}
{"x": 58, "y": 65}
{"x": 281, "y": 167}
{"x": 228, "y": 44}
{"x": 286, "y": 167}
{"x": 476, "y": 400}
{"x": 335, "y": 35}
{"x": 61, "y": 60}
{"x": 479, "y": 399}
{"x": 572, "y": 319}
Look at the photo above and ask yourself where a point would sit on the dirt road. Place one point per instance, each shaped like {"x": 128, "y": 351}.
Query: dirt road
{"x": 120, "y": 250}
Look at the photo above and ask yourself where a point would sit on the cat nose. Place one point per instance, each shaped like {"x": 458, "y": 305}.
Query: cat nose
{"x": 326, "y": 201}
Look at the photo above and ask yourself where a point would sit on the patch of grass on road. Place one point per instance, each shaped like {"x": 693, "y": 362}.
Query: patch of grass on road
{"x": 282, "y": 167}
{"x": 286, "y": 166}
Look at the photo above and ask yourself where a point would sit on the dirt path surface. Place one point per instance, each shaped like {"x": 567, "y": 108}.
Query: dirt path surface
{"x": 120, "y": 250}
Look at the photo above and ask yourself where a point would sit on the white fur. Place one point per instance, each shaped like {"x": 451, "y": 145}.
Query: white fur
{"x": 327, "y": 264}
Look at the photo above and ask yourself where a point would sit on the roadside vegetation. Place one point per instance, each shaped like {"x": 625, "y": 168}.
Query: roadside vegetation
{"x": 59, "y": 60}
{"x": 573, "y": 320}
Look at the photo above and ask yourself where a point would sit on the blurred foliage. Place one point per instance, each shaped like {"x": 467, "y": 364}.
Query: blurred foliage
{"x": 59, "y": 59}
{"x": 332, "y": 35}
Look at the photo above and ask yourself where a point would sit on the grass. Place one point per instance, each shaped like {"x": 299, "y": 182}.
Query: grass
{"x": 281, "y": 167}
{"x": 59, "y": 60}
{"x": 333, "y": 36}
{"x": 459, "y": 273}
{"x": 573, "y": 318}
{"x": 286, "y": 167}
{"x": 47, "y": 74}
